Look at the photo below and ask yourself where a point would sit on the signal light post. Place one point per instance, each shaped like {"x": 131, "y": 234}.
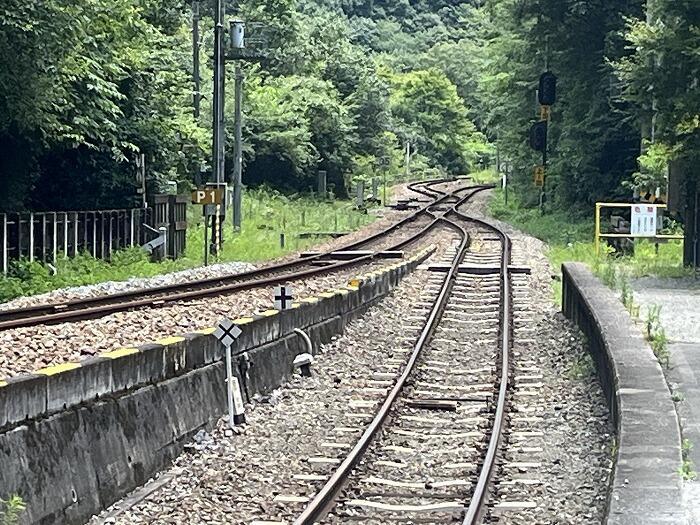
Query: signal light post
{"x": 546, "y": 96}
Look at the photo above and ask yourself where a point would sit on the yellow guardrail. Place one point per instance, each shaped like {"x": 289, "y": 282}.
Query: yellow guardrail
{"x": 598, "y": 235}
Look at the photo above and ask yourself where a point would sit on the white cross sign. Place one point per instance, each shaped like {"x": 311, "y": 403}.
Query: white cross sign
{"x": 227, "y": 332}
{"x": 283, "y": 298}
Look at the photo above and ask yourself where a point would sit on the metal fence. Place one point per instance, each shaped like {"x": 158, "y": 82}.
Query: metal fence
{"x": 46, "y": 236}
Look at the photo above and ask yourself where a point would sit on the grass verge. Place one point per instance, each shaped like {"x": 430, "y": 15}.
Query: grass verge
{"x": 266, "y": 214}
{"x": 569, "y": 237}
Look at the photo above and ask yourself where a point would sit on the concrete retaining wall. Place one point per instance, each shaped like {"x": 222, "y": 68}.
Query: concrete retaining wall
{"x": 646, "y": 487}
{"x": 77, "y": 437}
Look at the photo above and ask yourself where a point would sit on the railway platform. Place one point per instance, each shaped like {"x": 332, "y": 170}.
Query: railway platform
{"x": 679, "y": 302}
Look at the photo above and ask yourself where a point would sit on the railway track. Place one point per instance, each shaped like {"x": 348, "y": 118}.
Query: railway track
{"x": 408, "y": 230}
{"x": 428, "y": 427}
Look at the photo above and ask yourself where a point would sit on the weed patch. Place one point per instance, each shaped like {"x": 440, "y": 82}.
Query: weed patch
{"x": 687, "y": 470}
{"x": 11, "y": 510}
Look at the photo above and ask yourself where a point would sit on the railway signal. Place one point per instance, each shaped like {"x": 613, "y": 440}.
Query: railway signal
{"x": 283, "y": 298}
{"x": 227, "y": 333}
{"x": 538, "y": 136}
{"x": 547, "y": 93}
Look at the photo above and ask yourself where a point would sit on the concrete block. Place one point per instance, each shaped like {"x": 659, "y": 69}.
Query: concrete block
{"x": 202, "y": 349}
{"x": 24, "y": 397}
{"x": 136, "y": 366}
{"x": 70, "y": 465}
{"x": 646, "y": 486}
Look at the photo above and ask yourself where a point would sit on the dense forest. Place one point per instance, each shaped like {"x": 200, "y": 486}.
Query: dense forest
{"x": 343, "y": 85}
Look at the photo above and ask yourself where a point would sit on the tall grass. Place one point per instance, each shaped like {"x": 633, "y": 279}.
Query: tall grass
{"x": 570, "y": 237}
{"x": 267, "y": 214}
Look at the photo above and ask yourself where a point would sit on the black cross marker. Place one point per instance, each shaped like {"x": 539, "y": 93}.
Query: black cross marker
{"x": 283, "y": 298}
{"x": 232, "y": 331}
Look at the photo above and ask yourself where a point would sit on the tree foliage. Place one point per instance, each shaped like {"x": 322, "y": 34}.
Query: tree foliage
{"x": 86, "y": 86}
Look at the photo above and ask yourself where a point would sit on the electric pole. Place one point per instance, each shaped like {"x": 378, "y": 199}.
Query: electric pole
{"x": 219, "y": 76}
{"x": 197, "y": 96}
{"x": 237, "y": 29}
{"x": 219, "y": 135}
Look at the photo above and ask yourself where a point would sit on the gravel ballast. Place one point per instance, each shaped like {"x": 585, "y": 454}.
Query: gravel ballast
{"x": 234, "y": 478}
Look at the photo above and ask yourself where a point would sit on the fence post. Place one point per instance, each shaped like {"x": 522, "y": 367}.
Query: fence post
{"x": 132, "y": 228}
{"x": 54, "y": 240}
{"x": 43, "y": 237}
{"x": 94, "y": 234}
{"x": 76, "y": 233}
{"x": 65, "y": 235}
{"x": 111, "y": 234}
{"x": 31, "y": 237}
{"x": 5, "y": 242}
{"x": 19, "y": 236}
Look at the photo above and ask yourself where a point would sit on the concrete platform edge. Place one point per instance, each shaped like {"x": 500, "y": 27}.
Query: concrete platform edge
{"x": 77, "y": 438}
{"x": 646, "y": 486}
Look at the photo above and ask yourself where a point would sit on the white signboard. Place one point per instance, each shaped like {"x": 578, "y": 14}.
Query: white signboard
{"x": 644, "y": 220}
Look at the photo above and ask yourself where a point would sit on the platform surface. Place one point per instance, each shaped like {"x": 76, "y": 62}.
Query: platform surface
{"x": 679, "y": 300}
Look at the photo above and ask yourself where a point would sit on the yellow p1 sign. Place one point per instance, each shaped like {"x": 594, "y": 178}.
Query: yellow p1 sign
{"x": 208, "y": 196}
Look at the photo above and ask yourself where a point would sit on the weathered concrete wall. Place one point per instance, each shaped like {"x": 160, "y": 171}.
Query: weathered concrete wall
{"x": 78, "y": 437}
{"x": 646, "y": 487}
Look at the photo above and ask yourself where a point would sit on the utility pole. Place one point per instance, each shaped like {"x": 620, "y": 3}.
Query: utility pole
{"x": 237, "y": 30}
{"x": 219, "y": 135}
{"x": 197, "y": 96}
{"x": 238, "y": 151}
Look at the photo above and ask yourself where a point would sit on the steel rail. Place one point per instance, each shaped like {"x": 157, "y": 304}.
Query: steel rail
{"x": 481, "y": 492}
{"x": 104, "y": 305}
{"x": 324, "y": 499}
{"x": 328, "y": 493}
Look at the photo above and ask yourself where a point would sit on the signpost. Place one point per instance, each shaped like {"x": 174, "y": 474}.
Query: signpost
{"x": 643, "y": 223}
{"x": 227, "y": 332}
{"x": 204, "y": 196}
{"x": 212, "y": 199}
{"x": 283, "y": 298}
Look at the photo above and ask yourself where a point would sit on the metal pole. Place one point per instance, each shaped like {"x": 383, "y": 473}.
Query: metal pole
{"x": 695, "y": 231}
{"x": 229, "y": 387}
{"x": 408, "y": 160}
{"x": 384, "y": 191}
{"x": 218, "y": 109}
{"x": 206, "y": 240}
{"x": 544, "y": 181}
{"x": 238, "y": 151}
{"x": 197, "y": 96}
{"x": 597, "y": 229}
{"x": 142, "y": 167}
